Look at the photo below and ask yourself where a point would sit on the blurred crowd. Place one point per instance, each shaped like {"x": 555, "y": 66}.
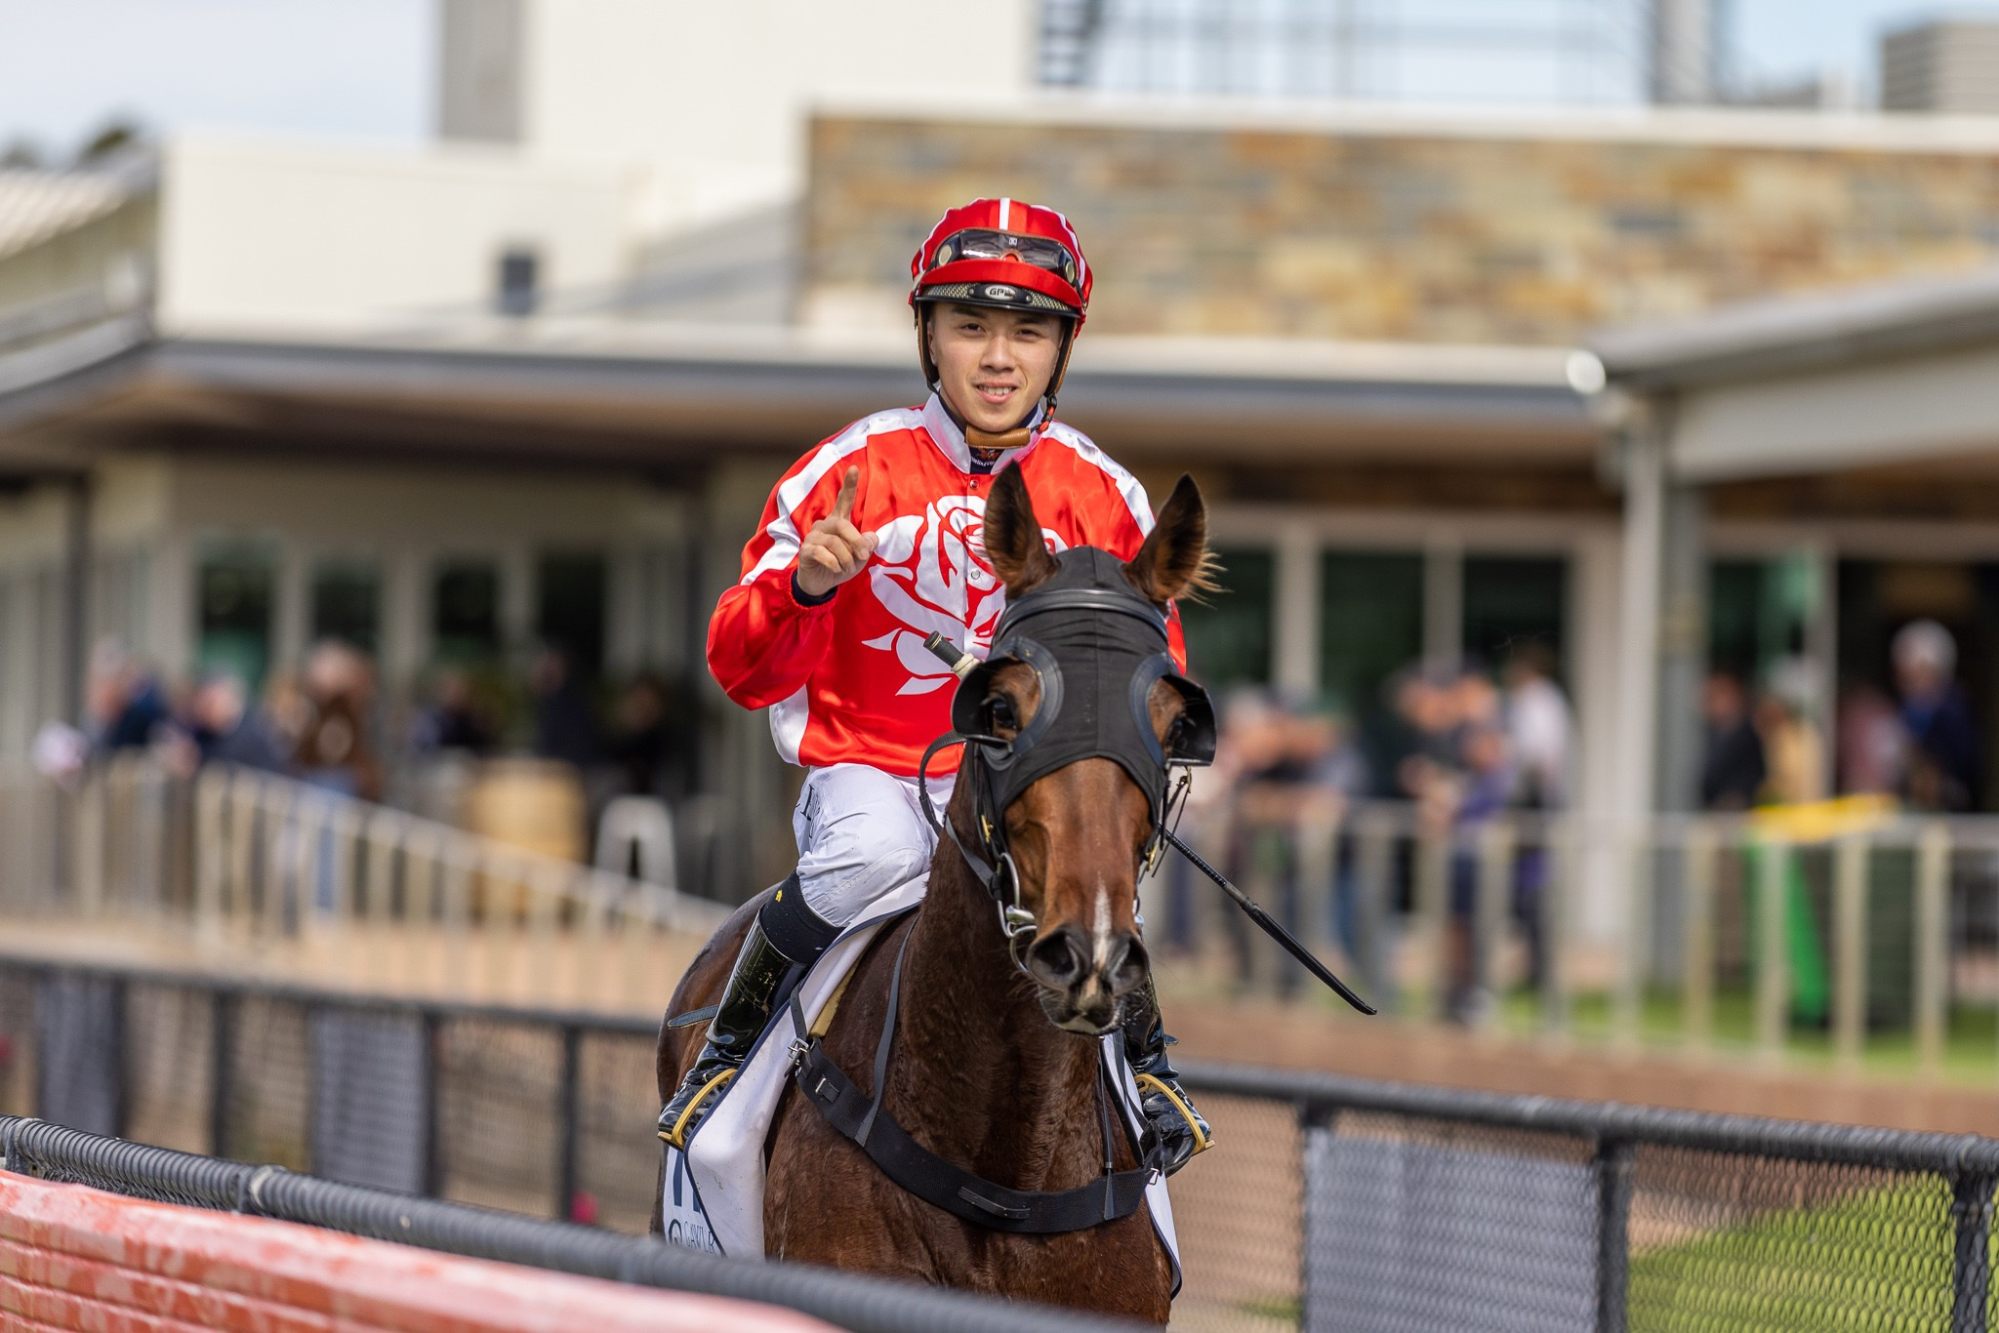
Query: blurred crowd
{"x": 328, "y": 725}
{"x": 1919, "y": 744}
{"x": 1459, "y": 742}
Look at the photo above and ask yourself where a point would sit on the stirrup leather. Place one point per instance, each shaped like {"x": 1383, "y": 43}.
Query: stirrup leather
{"x": 1156, "y": 1084}
{"x": 676, "y": 1136}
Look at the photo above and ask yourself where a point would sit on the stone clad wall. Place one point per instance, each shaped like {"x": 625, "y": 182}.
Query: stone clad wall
{"x": 1322, "y": 234}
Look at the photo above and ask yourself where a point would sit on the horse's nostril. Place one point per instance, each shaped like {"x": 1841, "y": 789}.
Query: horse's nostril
{"x": 1129, "y": 965}
{"x": 1058, "y": 958}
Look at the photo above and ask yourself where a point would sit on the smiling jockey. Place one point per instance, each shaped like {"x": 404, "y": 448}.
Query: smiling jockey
{"x": 870, "y": 542}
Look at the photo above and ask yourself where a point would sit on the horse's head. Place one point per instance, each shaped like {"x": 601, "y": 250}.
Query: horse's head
{"x": 1087, "y": 714}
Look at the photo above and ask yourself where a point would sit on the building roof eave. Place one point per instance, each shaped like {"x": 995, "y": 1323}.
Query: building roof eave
{"x": 780, "y": 392}
{"x": 1765, "y": 339}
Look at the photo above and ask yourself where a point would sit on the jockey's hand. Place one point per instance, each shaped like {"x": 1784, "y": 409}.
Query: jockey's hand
{"x": 835, "y": 550}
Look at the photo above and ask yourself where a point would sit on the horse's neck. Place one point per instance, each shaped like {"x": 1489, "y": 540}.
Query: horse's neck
{"x": 980, "y": 1074}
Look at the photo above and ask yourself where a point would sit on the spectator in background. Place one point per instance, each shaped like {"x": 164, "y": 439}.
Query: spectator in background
{"x": 1872, "y": 748}
{"x": 565, "y": 725}
{"x": 1793, "y": 749}
{"x": 335, "y": 750}
{"x": 1539, "y": 729}
{"x": 126, "y": 703}
{"x": 453, "y": 720}
{"x": 226, "y": 730}
{"x": 1733, "y": 768}
{"x": 647, "y": 739}
{"x": 1945, "y": 769}
{"x": 1479, "y": 794}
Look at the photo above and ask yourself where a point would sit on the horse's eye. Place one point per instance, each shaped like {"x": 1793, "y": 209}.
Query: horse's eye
{"x": 1000, "y": 714}
{"x": 1176, "y": 734}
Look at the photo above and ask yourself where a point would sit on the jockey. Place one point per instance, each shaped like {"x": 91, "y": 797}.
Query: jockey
{"x": 867, "y": 544}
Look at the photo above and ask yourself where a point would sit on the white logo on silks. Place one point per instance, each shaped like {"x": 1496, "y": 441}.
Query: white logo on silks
{"x": 930, "y": 572}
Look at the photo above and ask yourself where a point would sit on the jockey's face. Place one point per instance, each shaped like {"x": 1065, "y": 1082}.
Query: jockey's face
{"x": 993, "y": 366}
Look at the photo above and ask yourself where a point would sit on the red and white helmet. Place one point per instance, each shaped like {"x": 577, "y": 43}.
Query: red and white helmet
{"x": 1004, "y": 253}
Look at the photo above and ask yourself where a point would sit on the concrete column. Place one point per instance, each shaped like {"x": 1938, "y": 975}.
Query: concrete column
{"x": 1295, "y": 631}
{"x": 75, "y": 595}
{"x": 1682, "y": 647}
{"x": 171, "y": 603}
{"x": 1443, "y": 600}
{"x": 291, "y": 614}
{"x": 1638, "y": 634}
{"x": 405, "y": 646}
{"x": 518, "y": 591}
{"x": 626, "y": 601}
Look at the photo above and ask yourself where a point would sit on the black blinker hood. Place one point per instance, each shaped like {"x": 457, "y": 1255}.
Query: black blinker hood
{"x": 1097, "y": 646}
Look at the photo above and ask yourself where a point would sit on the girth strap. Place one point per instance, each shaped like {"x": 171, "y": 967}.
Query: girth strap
{"x": 957, "y": 1191}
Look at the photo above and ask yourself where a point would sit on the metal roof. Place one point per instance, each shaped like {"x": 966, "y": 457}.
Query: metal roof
{"x": 35, "y": 205}
{"x": 1760, "y": 339}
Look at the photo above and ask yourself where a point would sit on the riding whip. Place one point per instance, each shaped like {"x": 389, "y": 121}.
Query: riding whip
{"x": 962, "y": 663}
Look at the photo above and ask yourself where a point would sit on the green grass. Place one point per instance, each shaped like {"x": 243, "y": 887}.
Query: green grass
{"x": 1970, "y": 1051}
{"x": 1880, "y": 1260}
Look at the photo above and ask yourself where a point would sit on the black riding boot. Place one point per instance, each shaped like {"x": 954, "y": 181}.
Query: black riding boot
{"x": 783, "y": 942}
{"x": 1177, "y": 1126}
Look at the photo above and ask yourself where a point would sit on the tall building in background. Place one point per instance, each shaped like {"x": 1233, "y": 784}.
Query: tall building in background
{"x": 1547, "y": 52}
{"x": 1944, "y": 65}
{"x": 1684, "y": 52}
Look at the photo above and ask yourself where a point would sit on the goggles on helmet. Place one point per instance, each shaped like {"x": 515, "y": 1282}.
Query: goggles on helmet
{"x": 977, "y": 243}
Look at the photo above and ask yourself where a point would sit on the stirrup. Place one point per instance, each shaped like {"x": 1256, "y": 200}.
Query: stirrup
{"x": 675, "y": 1136}
{"x": 1178, "y": 1101}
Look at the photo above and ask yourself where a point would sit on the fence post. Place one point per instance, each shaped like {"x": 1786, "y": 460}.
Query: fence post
{"x": 1971, "y": 1270}
{"x": 221, "y": 1069}
{"x": 569, "y": 1122}
{"x": 1312, "y": 1115}
{"x": 428, "y": 1107}
{"x": 121, "y": 1055}
{"x": 1613, "y": 1165}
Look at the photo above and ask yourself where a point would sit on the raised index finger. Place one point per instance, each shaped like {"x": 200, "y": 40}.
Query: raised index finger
{"x": 848, "y": 485}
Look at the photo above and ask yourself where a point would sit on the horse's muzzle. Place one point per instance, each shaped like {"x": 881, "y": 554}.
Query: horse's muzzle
{"x": 1084, "y": 977}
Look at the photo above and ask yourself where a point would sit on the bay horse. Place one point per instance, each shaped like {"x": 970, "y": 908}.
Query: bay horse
{"x": 996, "y": 1065}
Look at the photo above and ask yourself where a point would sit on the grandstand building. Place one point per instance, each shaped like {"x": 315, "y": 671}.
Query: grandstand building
{"x": 534, "y": 380}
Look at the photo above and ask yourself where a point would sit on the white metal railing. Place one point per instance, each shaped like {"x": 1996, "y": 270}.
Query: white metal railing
{"x": 245, "y": 870}
{"x": 1863, "y": 935}
{"x": 1676, "y": 928}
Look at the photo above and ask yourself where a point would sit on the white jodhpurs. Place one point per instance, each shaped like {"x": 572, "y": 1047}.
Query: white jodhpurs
{"x": 861, "y": 833}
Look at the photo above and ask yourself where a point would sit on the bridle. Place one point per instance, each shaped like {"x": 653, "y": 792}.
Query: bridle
{"x": 1114, "y": 645}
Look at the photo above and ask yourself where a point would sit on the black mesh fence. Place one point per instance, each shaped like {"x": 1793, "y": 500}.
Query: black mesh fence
{"x": 1330, "y": 1204}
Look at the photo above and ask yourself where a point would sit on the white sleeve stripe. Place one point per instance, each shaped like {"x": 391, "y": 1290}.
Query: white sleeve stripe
{"x": 782, "y": 531}
{"x": 1127, "y": 485}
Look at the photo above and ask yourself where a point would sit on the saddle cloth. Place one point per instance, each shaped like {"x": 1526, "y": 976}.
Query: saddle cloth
{"x": 713, "y": 1194}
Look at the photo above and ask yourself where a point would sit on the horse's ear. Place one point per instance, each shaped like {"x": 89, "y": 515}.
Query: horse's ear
{"x": 1013, "y": 535}
{"x": 1175, "y": 560}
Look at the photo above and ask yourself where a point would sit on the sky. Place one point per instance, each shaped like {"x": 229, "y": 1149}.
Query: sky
{"x": 347, "y": 68}
{"x": 362, "y": 68}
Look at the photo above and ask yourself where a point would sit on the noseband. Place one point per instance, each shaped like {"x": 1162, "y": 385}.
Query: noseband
{"x": 1096, "y": 647}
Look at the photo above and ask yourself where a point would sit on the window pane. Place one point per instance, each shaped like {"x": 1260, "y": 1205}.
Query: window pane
{"x": 571, "y": 615}
{"x": 465, "y": 613}
{"x": 1370, "y": 627}
{"x": 1228, "y": 640}
{"x": 234, "y": 583}
{"x": 1514, "y": 601}
{"x": 346, "y": 604}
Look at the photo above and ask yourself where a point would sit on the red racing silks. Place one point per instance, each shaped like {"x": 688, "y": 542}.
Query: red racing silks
{"x": 849, "y": 680}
